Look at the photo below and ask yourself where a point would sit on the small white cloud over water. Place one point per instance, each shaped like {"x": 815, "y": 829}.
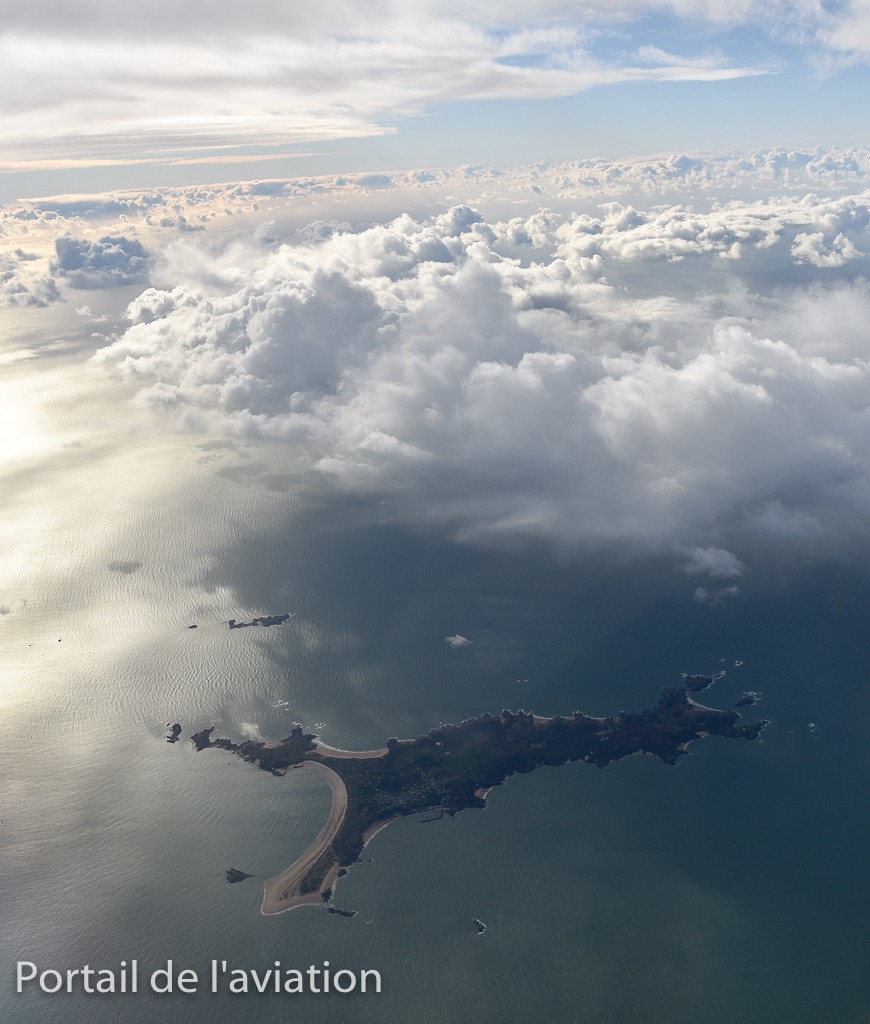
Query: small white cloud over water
{"x": 715, "y": 597}
{"x": 457, "y": 640}
{"x": 251, "y": 731}
{"x": 715, "y": 562}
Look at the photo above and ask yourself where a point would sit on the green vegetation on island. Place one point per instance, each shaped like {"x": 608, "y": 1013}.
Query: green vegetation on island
{"x": 451, "y": 767}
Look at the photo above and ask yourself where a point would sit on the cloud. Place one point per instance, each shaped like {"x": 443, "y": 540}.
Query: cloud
{"x": 21, "y": 284}
{"x": 104, "y": 89}
{"x": 251, "y": 731}
{"x": 458, "y": 641}
{"x": 154, "y": 215}
{"x": 847, "y": 30}
{"x": 714, "y": 562}
{"x": 714, "y": 598}
{"x": 812, "y": 247}
{"x": 550, "y": 375}
{"x": 110, "y": 261}
{"x": 672, "y": 233}
{"x": 91, "y": 85}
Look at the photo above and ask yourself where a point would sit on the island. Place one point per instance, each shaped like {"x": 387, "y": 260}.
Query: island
{"x": 747, "y": 699}
{"x": 452, "y": 767}
{"x": 263, "y": 620}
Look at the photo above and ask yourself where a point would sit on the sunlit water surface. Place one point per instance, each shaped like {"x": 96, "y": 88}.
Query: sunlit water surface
{"x": 731, "y": 888}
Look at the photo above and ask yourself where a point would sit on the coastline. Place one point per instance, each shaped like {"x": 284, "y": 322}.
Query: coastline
{"x": 411, "y": 776}
{"x": 378, "y": 826}
{"x": 281, "y": 892}
{"x": 324, "y": 750}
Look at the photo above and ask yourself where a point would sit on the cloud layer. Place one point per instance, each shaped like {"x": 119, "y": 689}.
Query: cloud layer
{"x": 103, "y": 231}
{"x": 652, "y": 376}
{"x": 100, "y": 84}
{"x": 186, "y": 209}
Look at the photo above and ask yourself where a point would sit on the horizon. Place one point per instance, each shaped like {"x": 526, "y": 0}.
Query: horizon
{"x": 92, "y": 96}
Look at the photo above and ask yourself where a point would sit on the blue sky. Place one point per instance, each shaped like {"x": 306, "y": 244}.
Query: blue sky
{"x": 638, "y": 351}
{"x": 101, "y": 97}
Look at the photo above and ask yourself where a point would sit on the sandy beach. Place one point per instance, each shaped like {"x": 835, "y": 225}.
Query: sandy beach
{"x": 281, "y": 892}
{"x": 327, "y": 751}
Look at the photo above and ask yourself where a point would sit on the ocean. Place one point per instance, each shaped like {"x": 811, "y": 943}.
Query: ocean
{"x": 732, "y": 887}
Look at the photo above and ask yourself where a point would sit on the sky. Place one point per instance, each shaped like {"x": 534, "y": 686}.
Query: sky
{"x": 590, "y": 276}
{"x": 98, "y": 95}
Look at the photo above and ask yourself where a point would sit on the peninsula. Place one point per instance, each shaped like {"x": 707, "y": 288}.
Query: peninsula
{"x": 453, "y": 766}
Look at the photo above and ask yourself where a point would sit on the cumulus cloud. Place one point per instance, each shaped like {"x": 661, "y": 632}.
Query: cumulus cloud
{"x": 457, "y": 640}
{"x": 712, "y": 561}
{"x": 797, "y": 175}
{"x": 105, "y": 263}
{"x": 22, "y": 284}
{"x": 507, "y": 378}
{"x": 674, "y": 232}
{"x": 812, "y": 247}
{"x": 251, "y": 731}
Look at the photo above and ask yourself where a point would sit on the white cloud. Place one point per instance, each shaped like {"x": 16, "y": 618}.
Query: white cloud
{"x": 112, "y": 260}
{"x": 251, "y": 731}
{"x": 714, "y": 598}
{"x": 848, "y": 28}
{"x": 715, "y": 562}
{"x": 796, "y": 176}
{"x": 458, "y": 641}
{"x": 102, "y": 86}
{"x": 812, "y": 247}
{"x": 95, "y": 84}
{"x": 508, "y": 377}
{"x": 21, "y": 280}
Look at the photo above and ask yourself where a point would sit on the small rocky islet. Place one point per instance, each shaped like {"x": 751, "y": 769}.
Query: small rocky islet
{"x": 262, "y": 620}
